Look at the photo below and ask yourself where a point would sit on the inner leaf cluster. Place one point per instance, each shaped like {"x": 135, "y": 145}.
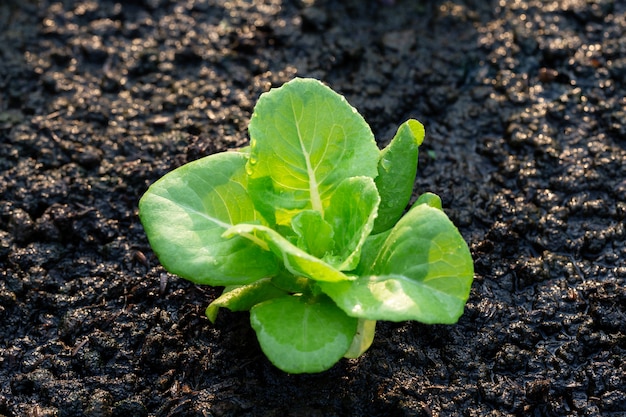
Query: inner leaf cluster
{"x": 305, "y": 229}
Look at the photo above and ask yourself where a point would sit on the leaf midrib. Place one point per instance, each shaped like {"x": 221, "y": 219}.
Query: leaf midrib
{"x": 314, "y": 192}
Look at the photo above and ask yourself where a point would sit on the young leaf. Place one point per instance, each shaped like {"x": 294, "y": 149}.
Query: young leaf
{"x": 243, "y": 298}
{"x": 297, "y": 261}
{"x": 396, "y": 173}
{"x": 305, "y": 139}
{"x": 351, "y": 212}
{"x": 429, "y": 199}
{"x": 185, "y": 213}
{"x": 370, "y": 249}
{"x": 298, "y": 335}
{"x": 315, "y": 235}
{"x": 423, "y": 272}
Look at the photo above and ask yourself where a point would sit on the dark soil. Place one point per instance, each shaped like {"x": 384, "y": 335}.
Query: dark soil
{"x": 524, "y": 106}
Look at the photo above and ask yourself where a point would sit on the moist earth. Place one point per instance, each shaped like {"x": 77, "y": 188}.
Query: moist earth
{"x": 524, "y": 107}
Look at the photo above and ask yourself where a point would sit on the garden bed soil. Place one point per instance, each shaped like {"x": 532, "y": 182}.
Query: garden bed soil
{"x": 524, "y": 107}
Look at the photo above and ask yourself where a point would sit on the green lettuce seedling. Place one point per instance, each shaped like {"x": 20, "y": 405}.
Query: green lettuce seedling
{"x": 305, "y": 229}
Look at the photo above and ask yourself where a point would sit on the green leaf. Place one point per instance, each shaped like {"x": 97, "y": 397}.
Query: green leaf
{"x": 291, "y": 283}
{"x": 370, "y": 249}
{"x": 396, "y": 173}
{"x": 351, "y": 212}
{"x": 297, "y": 261}
{"x": 299, "y": 335}
{"x": 186, "y": 212}
{"x": 315, "y": 235}
{"x": 304, "y": 140}
{"x": 363, "y": 338}
{"x": 243, "y": 298}
{"x": 422, "y": 272}
{"x": 429, "y": 199}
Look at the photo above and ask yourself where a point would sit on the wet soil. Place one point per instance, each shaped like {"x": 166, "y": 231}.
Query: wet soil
{"x": 523, "y": 103}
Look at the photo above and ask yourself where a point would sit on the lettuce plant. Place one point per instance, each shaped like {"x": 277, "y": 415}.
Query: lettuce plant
{"x": 305, "y": 228}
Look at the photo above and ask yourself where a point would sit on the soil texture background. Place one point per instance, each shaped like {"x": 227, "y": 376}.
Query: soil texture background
{"x": 524, "y": 107}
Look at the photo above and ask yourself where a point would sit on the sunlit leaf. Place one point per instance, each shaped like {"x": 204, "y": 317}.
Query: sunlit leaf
{"x": 186, "y": 212}
{"x": 244, "y": 297}
{"x": 423, "y": 272}
{"x": 315, "y": 235}
{"x": 396, "y": 173}
{"x": 295, "y": 260}
{"x": 300, "y": 335}
{"x": 305, "y": 139}
{"x": 352, "y": 209}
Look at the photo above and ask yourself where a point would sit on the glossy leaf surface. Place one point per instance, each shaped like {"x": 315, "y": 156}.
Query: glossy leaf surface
{"x": 295, "y": 260}
{"x": 423, "y": 272}
{"x": 299, "y": 335}
{"x": 315, "y": 235}
{"x": 304, "y": 140}
{"x": 396, "y": 173}
{"x": 186, "y": 212}
{"x": 351, "y": 213}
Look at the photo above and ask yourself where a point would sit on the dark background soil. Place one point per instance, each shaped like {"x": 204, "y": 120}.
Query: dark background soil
{"x": 524, "y": 107}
